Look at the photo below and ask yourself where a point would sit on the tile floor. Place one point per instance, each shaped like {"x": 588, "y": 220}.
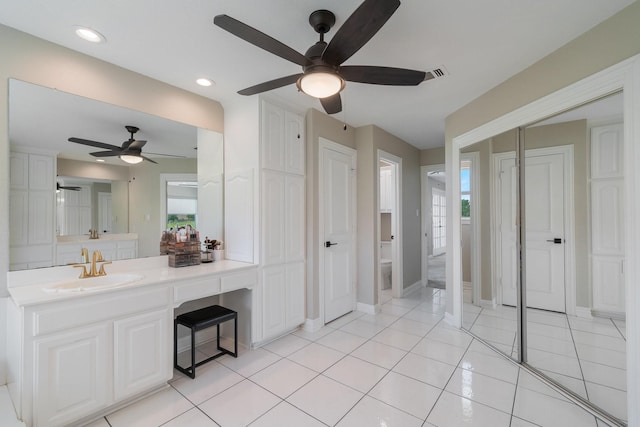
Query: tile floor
{"x": 402, "y": 367}
{"x": 585, "y": 355}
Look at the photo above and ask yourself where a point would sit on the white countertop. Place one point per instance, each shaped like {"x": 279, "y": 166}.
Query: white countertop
{"x": 27, "y": 287}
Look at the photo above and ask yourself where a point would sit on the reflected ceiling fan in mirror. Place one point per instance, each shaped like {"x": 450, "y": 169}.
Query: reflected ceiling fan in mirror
{"x": 323, "y": 75}
{"x": 130, "y": 151}
{"x": 66, "y": 187}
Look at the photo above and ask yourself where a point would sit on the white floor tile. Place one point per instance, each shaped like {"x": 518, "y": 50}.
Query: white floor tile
{"x": 610, "y": 399}
{"x": 101, "y": 422}
{"x": 494, "y": 366}
{"x": 557, "y": 363}
{"x": 394, "y": 310}
{"x": 552, "y": 345}
{"x": 397, "y": 339}
{"x": 456, "y": 411}
{"x": 603, "y": 327}
{"x": 325, "y": 399}
{"x": 381, "y": 319}
{"x": 517, "y": 422}
{"x": 286, "y": 345}
{"x": 599, "y": 340}
{"x": 489, "y": 333}
{"x": 154, "y": 410}
{"x": 341, "y": 321}
{"x": 285, "y": 414}
{"x": 528, "y": 381}
{"x": 371, "y": 412}
{"x": 551, "y": 331}
{"x": 450, "y": 335}
{"x": 211, "y": 379}
{"x": 283, "y": 377}
{"x": 249, "y": 363}
{"x": 191, "y": 418}
{"x": 316, "y": 357}
{"x": 482, "y": 389}
{"x": 497, "y": 322}
{"x": 429, "y": 371}
{"x": 423, "y": 316}
{"x": 574, "y": 384}
{"x": 407, "y": 394}
{"x": 356, "y": 373}
{"x": 546, "y": 411}
{"x": 239, "y": 405}
{"x": 342, "y": 341}
{"x": 313, "y": 336}
{"x": 604, "y": 356}
{"x": 605, "y": 375}
{"x": 547, "y": 318}
{"x": 362, "y": 329}
{"x": 412, "y": 327}
{"x": 440, "y": 351}
{"x": 379, "y": 354}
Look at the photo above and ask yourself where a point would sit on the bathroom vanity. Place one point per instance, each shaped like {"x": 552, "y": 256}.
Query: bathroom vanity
{"x": 80, "y": 348}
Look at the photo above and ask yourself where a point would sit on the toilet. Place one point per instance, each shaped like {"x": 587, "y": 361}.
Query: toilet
{"x": 385, "y": 264}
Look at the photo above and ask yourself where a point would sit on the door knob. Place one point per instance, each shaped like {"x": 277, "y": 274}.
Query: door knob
{"x": 328, "y": 244}
{"x": 556, "y": 240}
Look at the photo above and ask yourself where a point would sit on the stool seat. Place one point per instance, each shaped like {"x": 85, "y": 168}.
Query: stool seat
{"x": 198, "y": 320}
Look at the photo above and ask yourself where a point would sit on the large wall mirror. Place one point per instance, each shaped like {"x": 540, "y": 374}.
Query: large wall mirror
{"x": 573, "y": 328}
{"x": 120, "y": 200}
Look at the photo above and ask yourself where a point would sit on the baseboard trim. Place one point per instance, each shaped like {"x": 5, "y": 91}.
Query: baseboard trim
{"x": 451, "y": 320}
{"x": 611, "y": 314}
{"x": 412, "y": 288}
{"x": 312, "y": 325}
{"x": 584, "y": 312}
{"x": 488, "y": 303}
{"x": 367, "y": 308}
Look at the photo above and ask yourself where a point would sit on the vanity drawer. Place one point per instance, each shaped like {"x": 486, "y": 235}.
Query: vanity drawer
{"x": 196, "y": 289}
{"x": 238, "y": 281}
{"x": 85, "y": 311}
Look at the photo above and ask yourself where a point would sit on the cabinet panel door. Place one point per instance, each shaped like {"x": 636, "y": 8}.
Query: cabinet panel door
{"x": 608, "y": 284}
{"x": 72, "y": 377}
{"x": 295, "y": 143}
{"x": 18, "y": 221}
{"x": 607, "y": 217}
{"x": 19, "y": 171}
{"x": 274, "y": 301}
{"x": 273, "y": 137}
{"x": 273, "y": 218}
{"x": 295, "y": 294}
{"x": 41, "y": 216}
{"x": 41, "y": 175}
{"x": 294, "y": 218}
{"x": 141, "y": 353}
{"x": 607, "y": 159}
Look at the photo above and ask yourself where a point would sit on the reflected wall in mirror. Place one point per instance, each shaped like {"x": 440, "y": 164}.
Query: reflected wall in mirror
{"x": 574, "y": 217}
{"x": 120, "y": 200}
{"x": 489, "y": 251}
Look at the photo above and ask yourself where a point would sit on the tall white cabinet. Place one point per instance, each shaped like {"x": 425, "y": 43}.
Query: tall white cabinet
{"x": 282, "y": 220}
{"x": 31, "y": 214}
{"x": 607, "y": 219}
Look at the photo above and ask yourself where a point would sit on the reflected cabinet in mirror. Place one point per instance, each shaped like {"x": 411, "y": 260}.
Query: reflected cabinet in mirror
{"x": 61, "y": 189}
{"x": 564, "y": 315}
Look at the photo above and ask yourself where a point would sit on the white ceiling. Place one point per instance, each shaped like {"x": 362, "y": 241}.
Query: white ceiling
{"x": 480, "y": 43}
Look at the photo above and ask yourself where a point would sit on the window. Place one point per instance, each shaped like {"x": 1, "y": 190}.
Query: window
{"x": 182, "y": 204}
{"x": 465, "y": 189}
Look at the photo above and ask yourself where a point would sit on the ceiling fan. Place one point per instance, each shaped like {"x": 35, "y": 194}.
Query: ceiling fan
{"x": 130, "y": 151}
{"x": 323, "y": 75}
{"x": 66, "y": 187}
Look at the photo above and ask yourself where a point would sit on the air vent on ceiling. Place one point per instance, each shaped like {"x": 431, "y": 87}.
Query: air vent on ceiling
{"x": 436, "y": 73}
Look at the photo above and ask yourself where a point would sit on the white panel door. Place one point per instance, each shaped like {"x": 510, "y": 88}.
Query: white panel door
{"x": 295, "y": 286}
{"x": 273, "y": 137}
{"x": 294, "y": 143}
{"x": 105, "y": 214}
{"x": 72, "y": 376}
{"x": 338, "y": 220}
{"x": 439, "y": 221}
{"x": 274, "y": 301}
{"x": 41, "y": 229}
{"x": 273, "y": 218}
{"x": 141, "y": 353}
{"x": 545, "y": 245}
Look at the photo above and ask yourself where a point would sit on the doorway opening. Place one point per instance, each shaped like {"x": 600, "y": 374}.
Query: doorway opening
{"x": 389, "y": 227}
{"x": 434, "y": 226}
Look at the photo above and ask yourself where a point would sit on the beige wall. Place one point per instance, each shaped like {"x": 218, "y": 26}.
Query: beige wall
{"x": 432, "y": 156}
{"x": 34, "y": 60}
{"x": 608, "y": 43}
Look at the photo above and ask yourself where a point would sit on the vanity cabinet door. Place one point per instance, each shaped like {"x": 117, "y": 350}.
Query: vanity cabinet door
{"x": 274, "y": 309}
{"x": 295, "y": 294}
{"x": 141, "y": 353}
{"x": 73, "y": 376}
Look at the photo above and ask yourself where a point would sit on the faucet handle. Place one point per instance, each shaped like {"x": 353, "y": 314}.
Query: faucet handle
{"x": 102, "y": 272}
{"x": 83, "y": 273}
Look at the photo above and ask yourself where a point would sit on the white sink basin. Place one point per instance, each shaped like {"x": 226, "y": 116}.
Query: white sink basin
{"x": 94, "y": 283}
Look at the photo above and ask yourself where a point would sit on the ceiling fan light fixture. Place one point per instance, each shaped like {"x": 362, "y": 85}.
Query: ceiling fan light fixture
{"x": 204, "y": 82}
{"x": 89, "y": 34}
{"x": 321, "y": 84}
{"x": 128, "y": 158}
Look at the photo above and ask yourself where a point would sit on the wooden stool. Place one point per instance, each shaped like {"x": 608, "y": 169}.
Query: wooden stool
{"x": 198, "y": 320}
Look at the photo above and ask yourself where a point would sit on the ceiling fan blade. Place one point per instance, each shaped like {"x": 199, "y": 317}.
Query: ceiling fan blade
{"x": 94, "y": 143}
{"x": 358, "y": 29}
{"x": 382, "y": 75}
{"x": 136, "y": 145}
{"x": 166, "y": 155}
{"x": 149, "y": 160}
{"x": 332, "y": 104}
{"x": 259, "y": 39}
{"x": 106, "y": 153}
{"x": 272, "y": 84}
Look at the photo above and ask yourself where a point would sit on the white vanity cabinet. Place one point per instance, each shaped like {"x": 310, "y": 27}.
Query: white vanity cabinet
{"x": 282, "y": 220}
{"x": 92, "y": 352}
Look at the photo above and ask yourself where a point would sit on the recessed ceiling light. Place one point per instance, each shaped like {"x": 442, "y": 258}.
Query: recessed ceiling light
{"x": 204, "y": 82}
{"x": 100, "y": 160}
{"x": 89, "y": 34}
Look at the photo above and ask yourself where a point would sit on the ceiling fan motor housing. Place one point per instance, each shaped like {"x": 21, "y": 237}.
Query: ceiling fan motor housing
{"x": 322, "y": 21}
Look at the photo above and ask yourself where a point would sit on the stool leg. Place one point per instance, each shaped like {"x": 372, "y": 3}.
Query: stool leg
{"x": 193, "y": 353}
{"x": 235, "y": 336}
{"x": 175, "y": 343}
